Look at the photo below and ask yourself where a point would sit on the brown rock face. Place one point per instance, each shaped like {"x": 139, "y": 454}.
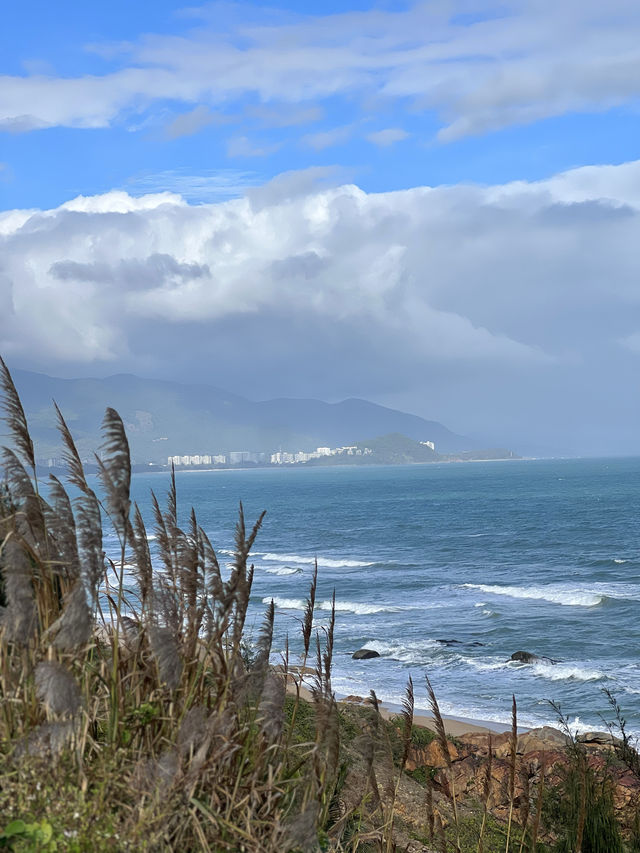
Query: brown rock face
{"x": 430, "y": 756}
{"x": 539, "y": 748}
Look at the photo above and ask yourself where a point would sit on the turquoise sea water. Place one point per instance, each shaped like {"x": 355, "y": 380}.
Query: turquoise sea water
{"x": 542, "y": 556}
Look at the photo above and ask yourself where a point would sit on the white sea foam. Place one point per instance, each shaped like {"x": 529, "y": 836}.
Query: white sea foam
{"x": 324, "y": 562}
{"x": 566, "y": 672}
{"x": 618, "y": 560}
{"x": 554, "y": 593}
{"x": 414, "y": 652}
{"x": 359, "y": 608}
{"x": 286, "y": 603}
{"x": 565, "y": 594}
{"x": 283, "y": 570}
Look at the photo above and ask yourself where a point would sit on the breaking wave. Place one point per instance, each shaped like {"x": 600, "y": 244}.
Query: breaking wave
{"x": 417, "y": 652}
{"x": 325, "y": 562}
{"x": 554, "y": 594}
{"x": 566, "y": 672}
{"x": 359, "y": 608}
{"x": 541, "y": 669}
{"x": 283, "y": 570}
{"x": 286, "y": 603}
{"x": 586, "y": 596}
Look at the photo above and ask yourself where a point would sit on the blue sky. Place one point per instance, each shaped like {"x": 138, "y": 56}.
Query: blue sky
{"x": 429, "y": 204}
{"x": 245, "y": 133}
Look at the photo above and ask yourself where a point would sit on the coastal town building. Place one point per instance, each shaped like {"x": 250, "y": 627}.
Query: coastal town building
{"x": 197, "y": 459}
{"x": 286, "y": 458}
{"x": 238, "y": 457}
{"x": 281, "y": 457}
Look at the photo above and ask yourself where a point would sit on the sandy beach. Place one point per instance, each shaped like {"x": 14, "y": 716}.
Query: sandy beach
{"x": 454, "y": 726}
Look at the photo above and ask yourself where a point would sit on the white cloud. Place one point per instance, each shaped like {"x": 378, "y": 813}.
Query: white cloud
{"x": 189, "y": 123}
{"x": 479, "y": 68}
{"x": 448, "y": 295}
{"x": 388, "y": 136}
{"x": 456, "y": 273}
{"x": 328, "y": 138}
{"x": 241, "y": 146}
{"x": 631, "y": 342}
{"x": 283, "y": 115}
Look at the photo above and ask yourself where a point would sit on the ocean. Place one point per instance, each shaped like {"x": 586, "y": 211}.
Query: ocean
{"x": 446, "y": 570}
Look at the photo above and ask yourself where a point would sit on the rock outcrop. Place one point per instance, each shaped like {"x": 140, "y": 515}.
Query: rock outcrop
{"x": 365, "y": 654}
{"x": 529, "y": 657}
{"x": 538, "y": 750}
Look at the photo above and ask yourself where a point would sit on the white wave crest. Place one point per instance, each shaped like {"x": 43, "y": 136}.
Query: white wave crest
{"x": 555, "y": 594}
{"x": 566, "y": 594}
{"x": 359, "y": 608}
{"x": 325, "y": 562}
{"x": 575, "y": 671}
{"x": 414, "y": 652}
{"x": 617, "y": 560}
{"x": 283, "y": 570}
{"x": 566, "y": 672}
{"x": 286, "y": 603}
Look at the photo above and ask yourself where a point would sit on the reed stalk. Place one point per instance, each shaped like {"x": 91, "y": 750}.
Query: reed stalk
{"x": 486, "y": 792}
{"x": 513, "y": 745}
{"x": 443, "y": 744}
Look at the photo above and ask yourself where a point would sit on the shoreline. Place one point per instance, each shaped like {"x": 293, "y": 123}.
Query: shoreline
{"x": 454, "y": 726}
{"x": 187, "y": 469}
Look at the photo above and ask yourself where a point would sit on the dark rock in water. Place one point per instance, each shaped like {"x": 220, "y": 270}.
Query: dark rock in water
{"x": 529, "y": 657}
{"x": 524, "y": 657}
{"x": 365, "y": 654}
{"x": 459, "y": 643}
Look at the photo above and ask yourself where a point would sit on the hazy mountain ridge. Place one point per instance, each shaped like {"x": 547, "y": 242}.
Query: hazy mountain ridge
{"x": 165, "y": 418}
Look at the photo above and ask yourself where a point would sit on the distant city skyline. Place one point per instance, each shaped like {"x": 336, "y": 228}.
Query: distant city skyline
{"x": 433, "y": 206}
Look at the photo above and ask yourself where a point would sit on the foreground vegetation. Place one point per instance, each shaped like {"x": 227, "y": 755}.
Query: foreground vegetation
{"x": 135, "y": 715}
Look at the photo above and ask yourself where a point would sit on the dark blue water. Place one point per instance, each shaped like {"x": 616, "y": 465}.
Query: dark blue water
{"x": 542, "y": 556}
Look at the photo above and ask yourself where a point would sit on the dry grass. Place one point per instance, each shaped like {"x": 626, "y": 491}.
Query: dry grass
{"x": 126, "y": 690}
{"x": 131, "y": 717}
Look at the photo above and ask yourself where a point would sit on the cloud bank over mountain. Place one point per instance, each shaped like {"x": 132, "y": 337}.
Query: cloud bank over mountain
{"x": 427, "y": 298}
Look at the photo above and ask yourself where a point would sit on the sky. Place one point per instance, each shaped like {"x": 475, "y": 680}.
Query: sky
{"x": 432, "y": 205}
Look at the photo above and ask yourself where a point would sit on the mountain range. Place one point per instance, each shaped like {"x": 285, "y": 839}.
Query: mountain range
{"x": 167, "y": 418}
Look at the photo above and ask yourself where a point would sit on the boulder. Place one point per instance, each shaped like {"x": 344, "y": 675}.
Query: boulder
{"x": 430, "y": 755}
{"x": 599, "y": 739}
{"x": 539, "y": 740}
{"x": 524, "y": 657}
{"x": 529, "y": 657}
{"x": 365, "y": 654}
